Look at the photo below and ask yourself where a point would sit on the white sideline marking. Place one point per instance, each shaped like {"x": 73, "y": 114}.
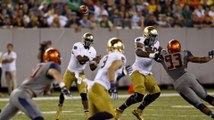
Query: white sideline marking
{"x": 48, "y": 112}
{"x": 78, "y": 97}
{"x": 186, "y": 106}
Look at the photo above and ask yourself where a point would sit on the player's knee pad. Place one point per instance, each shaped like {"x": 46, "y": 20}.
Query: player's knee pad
{"x": 83, "y": 96}
{"x": 210, "y": 99}
{"x": 38, "y": 118}
{"x": 138, "y": 97}
{"x": 150, "y": 98}
{"x": 135, "y": 98}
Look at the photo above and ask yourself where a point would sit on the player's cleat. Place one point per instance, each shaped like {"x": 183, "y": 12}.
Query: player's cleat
{"x": 87, "y": 115}
{"x": 59, "y": 112}
{"x": 138, "y": 113}
{"x": 118, "y": 113}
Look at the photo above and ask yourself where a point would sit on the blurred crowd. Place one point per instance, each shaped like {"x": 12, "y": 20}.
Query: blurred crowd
{"x": 119, "y": 14}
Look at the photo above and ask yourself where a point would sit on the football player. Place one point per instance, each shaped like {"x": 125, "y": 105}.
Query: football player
{"x": 82, "y": 53}
{"x": 110, "y": 67}
{"x": 42, "y": 76}
{"x": 186, "y": 84}
{"x": 147, "y": 48}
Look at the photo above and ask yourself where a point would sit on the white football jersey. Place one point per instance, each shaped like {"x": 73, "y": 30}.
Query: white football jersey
{"x": 144, "y": 64}
{"x": 79, "y": 49}
{"x": 102, "y": 74}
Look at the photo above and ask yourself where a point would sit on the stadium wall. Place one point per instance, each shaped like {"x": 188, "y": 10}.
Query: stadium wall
{"x": 26, "y": 44}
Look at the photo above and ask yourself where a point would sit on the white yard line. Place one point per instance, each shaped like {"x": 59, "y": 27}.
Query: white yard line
{"x": 49, "y": 112}
{"x": 78, "y": 97}
{"x": 186, "y": 106}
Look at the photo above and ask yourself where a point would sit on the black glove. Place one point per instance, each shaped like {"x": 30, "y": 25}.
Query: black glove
{"x": 146, "y": 42}
{"x": 65, "y": 91}
{"x": 211, "y": 53}
{"x": 113, "y": 90}
{"x": 158, "y": 57}
{"x": 129, "y": 69}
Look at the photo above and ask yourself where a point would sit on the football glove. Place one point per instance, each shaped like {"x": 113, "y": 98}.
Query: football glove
{"x": 211, "y": 53}
{"x": 65, "y": 91}
{"x": 113, "y": 91}
{"x": 129, "y": 69}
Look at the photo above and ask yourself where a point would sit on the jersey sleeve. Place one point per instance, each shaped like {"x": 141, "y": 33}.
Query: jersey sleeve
{"x": 76, "y": 50}
{"x": 157, "y": 45}
{"x": 93, "y": 54}
{"x": 189, "y": 53}
{"x": 139, "y": 40}
{"x": 55, "y": 66}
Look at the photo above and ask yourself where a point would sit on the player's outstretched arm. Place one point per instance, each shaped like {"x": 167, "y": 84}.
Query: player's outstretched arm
{"x": 117, "y": 64}
{"x": 199, "y": 59}
{"x": 149, "y": 53}
{"x": 58, "y": 77}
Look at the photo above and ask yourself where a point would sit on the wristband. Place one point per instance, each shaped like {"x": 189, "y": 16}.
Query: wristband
{"x": 61, "y": 84}
{"x": 112, "y": 84}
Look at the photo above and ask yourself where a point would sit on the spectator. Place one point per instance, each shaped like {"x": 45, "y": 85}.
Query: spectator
{"x": 177, "y": 22}
{"x": 137, "y": 20}
{"x": 151, "y": 21}
{"x": 74, "y": 5}
{"x": 93, "y": 21}
{"x": 200, "y": 12}
{"x": 211, "y": 12}
{"x": 196, "y": 23}
{"x": 105, "y": 22}
{"x": 152, "y": 6}
{"x": 164, "y": 22}
{"x": 117, "y": 19}
{"x": 85, "y": 22}
{"x": 145, "y": 11}
{"x": 43, "y": 23}
{"x": 9, "y": 67}
{"x": 158, "y": 12}
{"x": 73, "y": 22}
{"x": 186, "y": 14}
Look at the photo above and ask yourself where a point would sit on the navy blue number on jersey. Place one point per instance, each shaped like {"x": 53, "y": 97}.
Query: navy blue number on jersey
{"x": 104, "y": 62}
{"x": 173, "y": 61}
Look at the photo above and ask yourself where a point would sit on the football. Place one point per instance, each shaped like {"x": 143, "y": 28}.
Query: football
{"x": 84, "y": 9}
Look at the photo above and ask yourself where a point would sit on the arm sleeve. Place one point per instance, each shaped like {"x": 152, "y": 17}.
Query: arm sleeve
{"x": 76, "y": 50}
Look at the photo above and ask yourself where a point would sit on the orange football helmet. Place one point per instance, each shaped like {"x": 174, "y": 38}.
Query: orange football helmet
{"x": 53, "y": 55}
{"x": 174, "y": 46}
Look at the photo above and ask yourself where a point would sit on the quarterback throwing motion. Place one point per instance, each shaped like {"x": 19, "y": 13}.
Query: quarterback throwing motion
{"x": 82, "y": 53}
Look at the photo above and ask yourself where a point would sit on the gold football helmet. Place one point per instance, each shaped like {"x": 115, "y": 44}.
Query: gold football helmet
{"x": 88, "y": 39}
{"x": 150, "y": 33}
{"x": 53, "y": 55}
{"x": 115, "y": 45}
{"x": 174, "y": 46}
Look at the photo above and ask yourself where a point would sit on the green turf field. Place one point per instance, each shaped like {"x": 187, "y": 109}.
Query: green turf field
{"x": 169, "y": 106}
